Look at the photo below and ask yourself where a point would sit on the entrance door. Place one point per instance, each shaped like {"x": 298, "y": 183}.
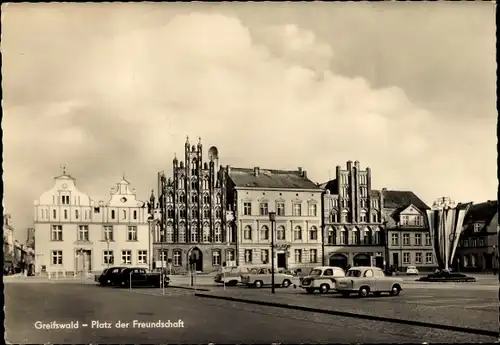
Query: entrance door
{"x": 83, "y": 261}
{"x": 281, "y": 260}
{"x": 88, "y": 260}
{"x": 195, "y": 259}
{"x": 395, "y": 260}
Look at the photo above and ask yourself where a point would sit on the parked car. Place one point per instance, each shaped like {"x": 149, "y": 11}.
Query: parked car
{"x": 263, "y": 276}
{"x": 322, "y": 279}
{"x": 230, "y": 276}
{"x": 135, "y": 276}
{"x": 367, "y": 280}
{"x": 412, "y": 271}
{"x": 107, "y": 276}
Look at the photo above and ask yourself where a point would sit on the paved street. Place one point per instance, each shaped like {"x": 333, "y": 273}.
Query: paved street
{"x": 204, "y": 320}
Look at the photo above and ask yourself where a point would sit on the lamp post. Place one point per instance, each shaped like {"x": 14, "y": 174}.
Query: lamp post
{"x": 272, "y": 218}
{"x": 386, "y": 245}
{"x": 151, "y": 229}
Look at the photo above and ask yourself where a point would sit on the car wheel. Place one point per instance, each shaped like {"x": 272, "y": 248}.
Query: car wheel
{"x": 310, "y": 290}
{"x": 324, "y": 288}
{"x": 232, "y": 283}
{"x": 258, "y": 284}
{"x": 395, "y": 290}
{"x": 364, "y": 291}
{"x": 345, "y": 293}
{"x": 286, "y": 283}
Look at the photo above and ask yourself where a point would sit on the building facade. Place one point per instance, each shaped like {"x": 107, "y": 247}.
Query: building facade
{"x": 477, "y": 249}
{"x": 408, "y": 234}
{"x": 296, "y": 201}
{"x": 192, "y": 230}
{"x": 353, "y": 233}
{"x": 76, "y": 235}
{"x": 9, "y": 257}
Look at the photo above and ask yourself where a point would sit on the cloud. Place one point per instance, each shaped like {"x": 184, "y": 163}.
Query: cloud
{"x": 266, "y": 96}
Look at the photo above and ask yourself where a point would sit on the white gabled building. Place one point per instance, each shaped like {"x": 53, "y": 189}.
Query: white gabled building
{"x": 75, "y": 234}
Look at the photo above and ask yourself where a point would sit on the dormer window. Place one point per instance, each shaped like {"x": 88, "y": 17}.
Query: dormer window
{"x": 477, "y": 227}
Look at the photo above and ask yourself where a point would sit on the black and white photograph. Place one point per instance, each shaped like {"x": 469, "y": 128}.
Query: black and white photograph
{"x": 261, "y": 172}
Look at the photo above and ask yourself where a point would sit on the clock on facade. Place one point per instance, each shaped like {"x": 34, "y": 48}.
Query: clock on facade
{"x": 123, "y": 199}
{"x": 65, "y": 186}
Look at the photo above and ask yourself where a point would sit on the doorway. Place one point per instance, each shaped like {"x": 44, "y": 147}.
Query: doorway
{"x": 83, "y": 262}
{"x": 195, "y": 259}
{"x": 338, "y": 260}
{"x": 361, "y": 260}
{"x": 395, "y": 260}
{"x": 281, "y": 258}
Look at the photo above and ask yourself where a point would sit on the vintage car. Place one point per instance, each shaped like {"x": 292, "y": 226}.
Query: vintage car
{"x": 322, "y": 279}
{"x": 367, "y": 280}
{"x": 136, "y": 276}
{"x": 412, "y": 271}
{"x": 261, "y": 277}
{"x": 108, "y": 275}
{"x": 230, "y": 276}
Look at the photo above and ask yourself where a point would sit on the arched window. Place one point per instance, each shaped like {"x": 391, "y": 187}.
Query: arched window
{"x": 367, "y": 236}
{"x": 76, "y": 214}
{"x": 375, "y": 217}
{"x": 170, "y": 232}
{"x": 182, "y": 197}
{"x": 247, "y": 232}
{"x": 334, "y": 217}
{"x": 135, "y": 214}
{"x": 170, "y": 197}
{"x": 362, "y": 217}
{"x": 354, "y": 236}
{"x": 264, "y": 233}
{"x": 124, "y": 214}
{"x": 194, "y": 198}
{"x": 206, "y": 198}
{"x": 280, "y": 233}
{"x": 297, "y": 233}
{"x": 206, "y": 232}
{"x": 194, "y": 184}
{"x": 182, "y": 232}
{"x": 343, "y": 236}
{"x": 217, "y": 199}
{"x": 182, "y": 213}
{"x": 313, "y": 233}
{"x": 345, "y": 217}
{"x": 205, "y": 183}
{"x": 217, "y": 213}
{"x": 194, "y": 233}
{"x": 376, "y": 237}
{"x": 181, "y": 183}
{"x": 54, "y": 214}
{"x": 206, "y": 213}
{"x": 218, "y": 233}
{"x": 170, "y": 212}
{"x": 194, "y": 213}
{"x": 332, "y": 236}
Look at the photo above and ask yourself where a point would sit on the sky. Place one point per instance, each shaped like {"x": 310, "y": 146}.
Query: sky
{"x": 407, "y": 89}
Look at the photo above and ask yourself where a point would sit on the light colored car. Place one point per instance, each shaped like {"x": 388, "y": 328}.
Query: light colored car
{"x": 230, "y": 276}
{"x": 367, "y": 280}
{"x": 322, "y": 279}
{"x": 412, "y": 271}
{"x": 261, "y": 277}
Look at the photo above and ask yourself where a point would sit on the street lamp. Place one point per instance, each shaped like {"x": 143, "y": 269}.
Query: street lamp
{"x": 272, "y": 218}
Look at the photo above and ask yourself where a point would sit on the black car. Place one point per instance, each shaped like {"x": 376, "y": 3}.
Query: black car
{"x": 136, "y": 276}
{"x": 108, "y": 276}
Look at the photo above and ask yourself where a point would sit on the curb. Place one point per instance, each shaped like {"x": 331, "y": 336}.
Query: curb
{"x": 358, "y": 316}
{"x": 187, "y": 288}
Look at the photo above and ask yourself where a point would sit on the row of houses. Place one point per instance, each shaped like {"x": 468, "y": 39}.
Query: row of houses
{"x": 205, "y": 216}
{"x": 14, "y": 252}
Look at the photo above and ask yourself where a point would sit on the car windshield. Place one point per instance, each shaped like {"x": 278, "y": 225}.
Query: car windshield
{"x": 411, "y": 267}
{"x": 315, "y": 272}
{"x": 353, "y": 273}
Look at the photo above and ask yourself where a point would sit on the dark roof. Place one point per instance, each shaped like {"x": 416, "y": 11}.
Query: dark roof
{"x": 482, "y": 212}
{"x": 267, "y": 178}
{"x": 331, "y": 185}
{"x": 399, "y": 200}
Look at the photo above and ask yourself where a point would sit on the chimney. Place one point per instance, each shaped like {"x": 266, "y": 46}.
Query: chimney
{"x": 300, "y": 170}
{"x": 356, "y": 165}
{"x": 349, "y": 165}
{"x": 304, "y": 173}
{"x": 256, "y": 171}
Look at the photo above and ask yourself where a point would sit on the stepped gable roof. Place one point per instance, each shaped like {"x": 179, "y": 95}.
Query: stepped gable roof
{"x": 482, "y": 212}
{"x": 269, "y": 178}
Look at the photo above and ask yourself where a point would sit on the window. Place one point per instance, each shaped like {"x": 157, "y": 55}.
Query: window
{"x": 264, "y": 211}
{"x": 112, "y": 214}
{"x": 126, "y": 257}
{"x": 230, "y": 255}
{"x": 56, "y": 233}
{"x": 376, "y": 237}
{"x": 297, "y": 233}
{"x": 334, "y": 217}
{"x": 54, "y": 214}
{"x": 418, "y": 258}
{"x": 205, "y": 183}
{"x": 194, "y": 185}
{"x": 428, "y": 258}
{"x": 206, "y": 233}
{"x": 218, "y": 233}
{"x": 182, "y": 213}
{"x": 477, "y": 226}
{"x": 418, "y": 239}
{"x": 206, "y": 213}
{"x": 206, "y": 199}
{"x": 332, "y": 237}
{"x": 343, "y": 236}
{"x": 76, "y": 214}
{"x": 417, "y": 220}
{"x": 280, "y": 209}
{"x": 328, "y": 272}
{"x": 217, "y": 213}
{"x": 264, "y": 256}
{"x": 427, "y": 239}
{"x": 404, "y": 220}
{"x": 163, "y": 255}
{"x": 176, "y": 258}
{"x": 65, "y": 199}
{"x": 247, "y": 232}
{"x": 313, "y": 210}
{"x": 313, "y": 233}
{"x": 354, "y": 236}
{"x": 367, "y": 236}
{"x": 264, "y": 233}
{"x": 216, "y": 258}
{"x": 297, "y": 209}
{"x": 170, "y": 212}
{"x": 57, "y": 257}
{"x": 182, "y": 197}
{"x": 406, "y": 239}
{"x": 375, "y": 218}
{"x": 368, "y": 273}
{"x": 194, "y": 233}
{"x": 217, "y": 199}
{"x": 108, "y": 257}
{"x": 247, "y": 208}
{"x": 83, "y": 232}
{"x": 248, "y": 256}
{"x": 298, "y": 255}
{"x": 280, "y": 232}
{"x": 108, "y": 233}
{"x": 132, "y": 233}
{"x": 313, "y": 256}
{"x": 344, "y": 216}
{"x": 124, "y": 214}
{"x": 182, "y": 233}
{"x": 194, "y": 213}
{"x": 406, "y": 258}
{"x": 395, "y": 239}
{"x": 194, "y": 198}
{"x": 362, "y": 217}
{"x": 170, "y": 233}
{"x": 363, "y": 203}
{"x": 375, "y": 203}
{"x": 65, "y": 214}
{"x": 170, "y": 197}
